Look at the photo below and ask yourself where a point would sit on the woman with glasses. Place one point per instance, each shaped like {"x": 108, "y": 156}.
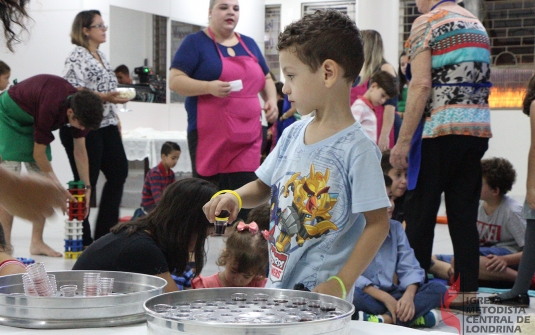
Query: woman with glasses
{"x": 86, "y": 68}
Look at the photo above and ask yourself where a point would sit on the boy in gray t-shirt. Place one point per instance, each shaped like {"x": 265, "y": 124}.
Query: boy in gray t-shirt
{"x": 499, "y": 223}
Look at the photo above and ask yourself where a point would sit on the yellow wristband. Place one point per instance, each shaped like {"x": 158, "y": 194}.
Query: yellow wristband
{"x": 231, "y": 192}
{"x": 344, "y": 292}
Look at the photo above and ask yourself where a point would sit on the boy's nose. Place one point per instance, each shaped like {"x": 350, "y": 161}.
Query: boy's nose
{"x": 285, "y": 89}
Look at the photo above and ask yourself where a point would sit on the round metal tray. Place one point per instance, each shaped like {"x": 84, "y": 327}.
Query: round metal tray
{"x": 158, "y": 324}
{"x": 126, "y": 307}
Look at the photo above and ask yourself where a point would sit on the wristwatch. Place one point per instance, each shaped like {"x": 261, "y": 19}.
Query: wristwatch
{"x": 87, "y": 187}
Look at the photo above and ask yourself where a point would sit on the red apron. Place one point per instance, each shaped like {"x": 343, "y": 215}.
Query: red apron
{"x": 360, "y": 89}
{"x": 229, "y": 129}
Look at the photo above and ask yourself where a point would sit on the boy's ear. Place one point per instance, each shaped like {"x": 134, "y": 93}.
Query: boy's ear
{"x": 331, "y": 70}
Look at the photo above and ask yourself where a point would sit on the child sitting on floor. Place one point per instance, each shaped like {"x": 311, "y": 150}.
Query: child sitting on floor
{"x": 158, "y": 178}
{"x": 383, "y": 86}
{"x": 399, "y": 186}
{"x": 409, "y": 303}
{"x": 245, "y": 256}
{"x": 500, "y": 226}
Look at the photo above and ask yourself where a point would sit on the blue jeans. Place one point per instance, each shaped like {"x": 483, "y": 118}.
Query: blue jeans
{"x": 427, "y": 297}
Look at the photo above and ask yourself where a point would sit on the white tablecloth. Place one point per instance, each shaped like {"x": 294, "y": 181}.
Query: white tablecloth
{"x": 357, "y": 328}
{"x": 142, "y": 143}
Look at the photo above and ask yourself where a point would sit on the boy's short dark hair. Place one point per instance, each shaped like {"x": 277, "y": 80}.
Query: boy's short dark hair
{"x": 88, "y": 109}
{"x": 387, "y": 82}
{"x": 388, "y": 181}
{"x": 4, "y": 68}
{"x": 385, "y": 162}
{"x": 122, "y": 69}
{"x": 169, "y": 147}
{"x": 498, "y": 173}
{"x": 326, "y": 34}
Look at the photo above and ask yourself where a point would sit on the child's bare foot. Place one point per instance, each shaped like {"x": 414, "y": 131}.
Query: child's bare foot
{"x": 43, "y": 249}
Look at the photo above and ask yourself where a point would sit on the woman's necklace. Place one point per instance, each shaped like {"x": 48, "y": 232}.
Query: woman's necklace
{"x": 441, "y": 1}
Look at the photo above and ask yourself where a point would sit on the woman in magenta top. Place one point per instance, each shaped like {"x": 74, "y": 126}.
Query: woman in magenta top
{"x": 221, "y": 73}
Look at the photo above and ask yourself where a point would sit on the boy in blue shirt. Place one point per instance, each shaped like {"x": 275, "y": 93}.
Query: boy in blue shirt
{"x": 392, "y": 288}
{"x": 324, "y": 177}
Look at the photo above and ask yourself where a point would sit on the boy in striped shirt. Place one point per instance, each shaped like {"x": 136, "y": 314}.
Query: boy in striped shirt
{"x": 158, "y": 178}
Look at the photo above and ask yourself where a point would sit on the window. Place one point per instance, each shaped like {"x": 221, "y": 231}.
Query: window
{"x": 346, "y": 7}
{"x": 179, "y": 31}
{"x": 510, "y": 25}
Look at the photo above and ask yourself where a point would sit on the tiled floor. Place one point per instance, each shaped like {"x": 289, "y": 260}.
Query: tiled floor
{"x": 54, "y": 231}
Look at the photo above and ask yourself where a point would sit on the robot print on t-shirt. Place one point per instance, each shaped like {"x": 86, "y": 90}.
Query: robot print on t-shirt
{"x": 300, "y": 212}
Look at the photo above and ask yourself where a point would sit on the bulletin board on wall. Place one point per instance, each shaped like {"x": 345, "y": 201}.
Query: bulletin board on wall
{"x": 271, "y": 35}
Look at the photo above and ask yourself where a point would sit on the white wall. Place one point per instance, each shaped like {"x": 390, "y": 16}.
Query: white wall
{"x": 130, "y": 38}
{"x": 511, "y": 140}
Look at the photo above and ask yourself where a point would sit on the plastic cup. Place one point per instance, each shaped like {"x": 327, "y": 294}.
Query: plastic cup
{"x": 106, "y": 286}
{"x": 260, "y": 297}
{"x": 52, "y": 282}
{"x": 68, "y": 291}
{"x": 299, "y": 301}
{"x": 38, "y": 275}
{"x": 220, "y": 225}
{"x": 314, "y": 303}
{"x": 91, "y": 284}
{"x": 328, "y": 306}
{"x": 281, "y": 299}
{"x": 29, "y": 288}
{"x": 162, "y": 308}
{"x": 239, "y": 297}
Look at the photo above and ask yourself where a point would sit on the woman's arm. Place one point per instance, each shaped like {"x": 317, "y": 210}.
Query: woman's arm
{"x": 181, "y": 83}
{"x": 171, "y": 285}
{"x": 419, "y": 90}
{"x": 269, "y": 95}
{"x": 388, "y": 116}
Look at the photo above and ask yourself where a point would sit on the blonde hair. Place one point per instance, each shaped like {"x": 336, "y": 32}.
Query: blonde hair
{"x": 82, "y": 20}
{"x": 373, "y": 54}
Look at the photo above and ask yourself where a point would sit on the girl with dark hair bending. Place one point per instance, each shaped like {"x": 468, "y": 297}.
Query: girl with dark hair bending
{"x": 159, "y": 243}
